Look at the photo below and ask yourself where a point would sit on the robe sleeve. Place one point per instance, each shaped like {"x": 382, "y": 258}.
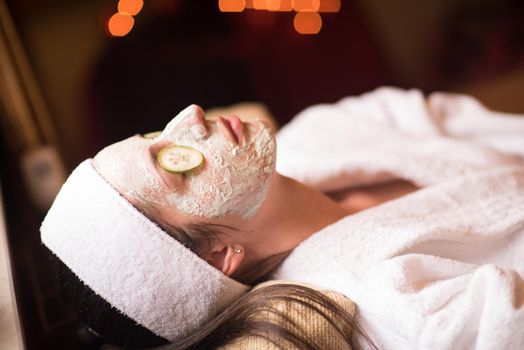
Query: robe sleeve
{"x": 396, "y": 134}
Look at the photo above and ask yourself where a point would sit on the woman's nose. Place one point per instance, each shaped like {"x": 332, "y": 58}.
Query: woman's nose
{"x": 191, "y": 118}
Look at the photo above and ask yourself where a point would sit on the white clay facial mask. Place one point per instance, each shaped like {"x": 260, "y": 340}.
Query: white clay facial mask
{"x": 232, "y": 180}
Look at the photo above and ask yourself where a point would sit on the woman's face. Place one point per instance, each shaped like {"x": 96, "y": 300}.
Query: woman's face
{"x": 239, "y": 159}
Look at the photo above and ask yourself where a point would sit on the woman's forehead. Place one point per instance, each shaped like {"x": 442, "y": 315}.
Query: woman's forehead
{"x": 128, "y": 165}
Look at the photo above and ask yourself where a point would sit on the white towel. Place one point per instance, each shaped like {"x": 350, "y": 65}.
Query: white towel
{"x": 130, "y": 261}
{"x": 443, "y": 267}
{"x": 392, "y": 133}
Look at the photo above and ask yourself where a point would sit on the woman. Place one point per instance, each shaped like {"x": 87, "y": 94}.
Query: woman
{"x": 119, "y": 254}
{"x": 242, "y": 217}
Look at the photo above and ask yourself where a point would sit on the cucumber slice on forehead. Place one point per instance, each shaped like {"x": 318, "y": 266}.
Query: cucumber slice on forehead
{"x": 179, "y": 159}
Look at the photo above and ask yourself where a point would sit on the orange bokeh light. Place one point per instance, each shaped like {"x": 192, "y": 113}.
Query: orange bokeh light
{"x": 120, "y": 24}
{"x": 307, "y": 22}
{"x": 231, "y": 5}
{"x": 272, "y": 5}
{"x": 306, "y": 5}
{"x": 259, "y": 4}
{"x": 131, "y": 7}
{"x": 329, "y": 6}
{"x": 279, "y": 5}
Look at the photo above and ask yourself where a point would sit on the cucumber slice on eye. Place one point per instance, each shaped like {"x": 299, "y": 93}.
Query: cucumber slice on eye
{"x": 179, "y": 159}
{"x": 152, "y": 135}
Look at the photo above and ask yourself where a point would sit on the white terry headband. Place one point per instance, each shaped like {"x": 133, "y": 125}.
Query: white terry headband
{"x": 131, "y": 262}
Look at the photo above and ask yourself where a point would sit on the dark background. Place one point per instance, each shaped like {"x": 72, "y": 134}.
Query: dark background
{"x": 100, "y": 89}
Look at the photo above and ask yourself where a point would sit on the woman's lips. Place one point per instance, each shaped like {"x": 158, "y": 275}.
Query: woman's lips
{"x": 233, "y": 128}
{"x": 238, "y": 128}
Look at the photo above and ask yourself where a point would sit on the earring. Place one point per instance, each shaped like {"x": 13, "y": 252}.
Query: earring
{"x": 237, "y": 250}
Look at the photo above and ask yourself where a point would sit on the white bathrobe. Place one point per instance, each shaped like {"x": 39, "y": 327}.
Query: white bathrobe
{"x": 443, "y": 267}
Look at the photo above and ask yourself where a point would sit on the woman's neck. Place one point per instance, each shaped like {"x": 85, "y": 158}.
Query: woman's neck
{"x": 290, "y": 214}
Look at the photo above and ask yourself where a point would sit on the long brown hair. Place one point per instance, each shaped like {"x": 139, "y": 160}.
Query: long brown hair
{"x": 242, "y": 319}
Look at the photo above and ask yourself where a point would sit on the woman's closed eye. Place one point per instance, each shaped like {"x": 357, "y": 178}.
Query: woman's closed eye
{"x": 178, "y": 159}
{"x": 173, "y": 181}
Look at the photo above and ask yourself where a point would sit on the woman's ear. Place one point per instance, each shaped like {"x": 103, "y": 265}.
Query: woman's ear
{"x": 227, "y": 258}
